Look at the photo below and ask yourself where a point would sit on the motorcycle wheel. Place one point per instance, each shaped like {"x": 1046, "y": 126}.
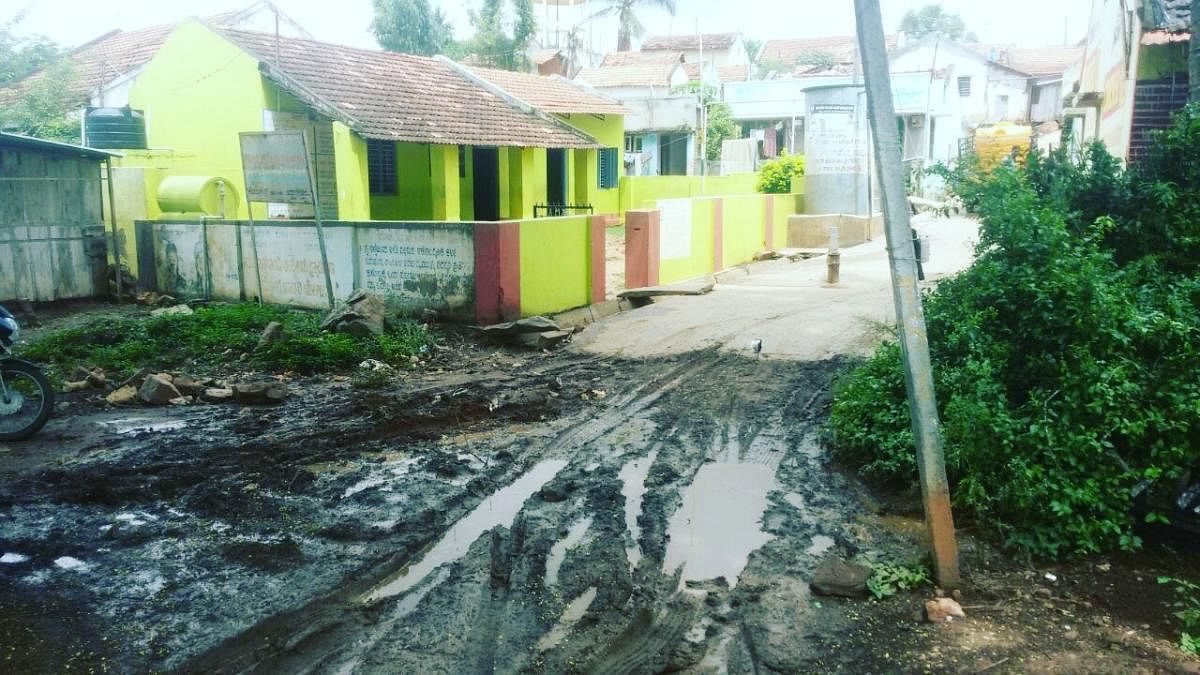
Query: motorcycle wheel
{"x": 29, "y": 400}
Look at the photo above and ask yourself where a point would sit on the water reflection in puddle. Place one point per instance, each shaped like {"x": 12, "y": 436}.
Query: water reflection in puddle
{"x": 558, "y": 552}
{"x": 719, "y": 523}
{"x": 498, "y": 509}
{"x": 570, "y": 616}
{"x": 633, "y": 488}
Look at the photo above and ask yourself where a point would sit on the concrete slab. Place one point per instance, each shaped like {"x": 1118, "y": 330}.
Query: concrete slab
{"x": 786, "y": 304}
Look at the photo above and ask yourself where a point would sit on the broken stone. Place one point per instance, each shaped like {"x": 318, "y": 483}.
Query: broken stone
{"x": 136, "y": 379}
{"x": 363, "y": 314}
{"x": 767, "y": 255}
{"x": 187, "y": 385}
{"x": 158, "y": 390}
{"x": 217, "y": 395}
{"x": 941, "y": 610}
{"x": 376, "y": 366}
{"x": 542, "y": 340}
{"x": 835, "y": 576}
{"x": 180, "y": 310}
{"x": 69, "y": 387}
{"x": 182, "y": 400}
{"x": 266, "y": 391}
{"x": 270, "y": 335}
{"x": 123, "y": 395}
{"x": 94, "y": 377}
{"x": 511, "y": 331}
{"x": 696, "y": 288}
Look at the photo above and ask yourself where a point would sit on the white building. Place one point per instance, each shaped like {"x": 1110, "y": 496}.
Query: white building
{"x": 719, "y": 49}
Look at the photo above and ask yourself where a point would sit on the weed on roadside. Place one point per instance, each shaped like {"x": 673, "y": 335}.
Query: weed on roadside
{"x": 219, "y": 335}
{"x": 888, "y": 579}
{"x": 1187, "y": 602}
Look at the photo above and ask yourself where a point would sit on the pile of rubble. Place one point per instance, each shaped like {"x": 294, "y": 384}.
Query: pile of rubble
{"x": 148, "y": 388}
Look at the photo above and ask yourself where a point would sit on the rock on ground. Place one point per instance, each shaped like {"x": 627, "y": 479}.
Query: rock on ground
{"x": 266, "y": 391}
{"x": 940, "y": 610}
{"x": 363, "y": 314}
{"x": 837, "y": 577}
{"x": 158, "y": 390}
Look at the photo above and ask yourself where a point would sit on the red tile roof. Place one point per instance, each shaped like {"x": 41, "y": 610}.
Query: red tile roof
{"x": 843, "y": 48}
{"x": 636, "y": 75}
{"x": 552, "y": 94}
{"x": 101, "y": 61}
{"x": 640, "y": 58}
{"x": 1036, "y": 61}
{"x": 690, "y": 42}
{"x": 733, "y": 73}
{"x": 390, "y": 96}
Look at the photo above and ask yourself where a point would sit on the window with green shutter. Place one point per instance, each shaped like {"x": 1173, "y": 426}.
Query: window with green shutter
{"x": 609, "y": 161}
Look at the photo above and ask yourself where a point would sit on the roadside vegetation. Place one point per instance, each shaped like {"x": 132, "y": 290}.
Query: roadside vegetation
{"x": 216, "y": 337}
{"x": 775, "y": 177}
{"x": 1065, "y": 357}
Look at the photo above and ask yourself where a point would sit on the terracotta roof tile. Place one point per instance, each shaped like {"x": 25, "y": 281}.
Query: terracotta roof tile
{"x": 733, "y": 73}
{"x": 691, "y": 42}
{"x": 390, "y": 96}
{"x": 638, "y": 75}
{"x": 843, "y": 48}
{"x": 552, "y": 94}
{"x": 1036, "y": 61}
{"x": 640, "y": 58}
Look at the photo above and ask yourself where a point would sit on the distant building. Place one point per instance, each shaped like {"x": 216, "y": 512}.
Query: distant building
{"x": 719, "y": 49}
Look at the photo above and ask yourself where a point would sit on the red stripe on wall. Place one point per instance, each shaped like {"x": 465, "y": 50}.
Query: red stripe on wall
{"x": 641, "y": 248}
{"x": 497, "y": 272}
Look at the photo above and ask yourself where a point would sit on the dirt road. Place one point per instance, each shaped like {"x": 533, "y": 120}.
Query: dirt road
{"x": 655, "y": 507}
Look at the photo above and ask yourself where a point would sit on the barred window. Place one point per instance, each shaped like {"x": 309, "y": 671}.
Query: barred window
{"x": 964, "y": 86}
{"x": 609, "y": 161}
{"x": 381, "y": 167}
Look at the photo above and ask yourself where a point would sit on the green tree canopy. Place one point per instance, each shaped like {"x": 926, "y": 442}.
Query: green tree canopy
{"x": 411, "y": 27}
{"x": 493, "y": 44}
{"x": 934, "y": 19}
{"x": 46, "y": 109}
{"x": 20, "y": 56}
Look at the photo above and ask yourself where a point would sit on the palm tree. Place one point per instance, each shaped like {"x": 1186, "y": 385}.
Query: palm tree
{"x": 628, "y": 26}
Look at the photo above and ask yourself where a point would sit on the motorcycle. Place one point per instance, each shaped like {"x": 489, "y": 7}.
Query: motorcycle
{"x": 26, "y": 398}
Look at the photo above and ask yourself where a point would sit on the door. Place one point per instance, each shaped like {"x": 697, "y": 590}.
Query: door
{"x": 556, "y": 181}
{"x": 486, "y": 163}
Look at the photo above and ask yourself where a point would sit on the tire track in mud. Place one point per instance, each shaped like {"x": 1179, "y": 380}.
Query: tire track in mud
{"x": 325, "y": 635}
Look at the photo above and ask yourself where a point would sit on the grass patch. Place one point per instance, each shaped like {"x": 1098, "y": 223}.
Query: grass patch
{"x": 216, "y": 336}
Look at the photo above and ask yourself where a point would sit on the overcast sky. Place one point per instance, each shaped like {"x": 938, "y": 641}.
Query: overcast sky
{"x": 1024, "y": 22}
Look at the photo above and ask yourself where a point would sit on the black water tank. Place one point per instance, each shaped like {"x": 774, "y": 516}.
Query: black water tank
{"x": 115, "y": 128}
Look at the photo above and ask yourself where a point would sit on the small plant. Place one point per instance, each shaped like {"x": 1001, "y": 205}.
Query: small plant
{"x": 888, "y": 579}
{"x": 776, "y": 175}
{"x": 1187, "y": 602}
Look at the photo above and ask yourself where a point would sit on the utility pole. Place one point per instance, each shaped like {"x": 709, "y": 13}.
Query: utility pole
{"x": 914, "y": 342}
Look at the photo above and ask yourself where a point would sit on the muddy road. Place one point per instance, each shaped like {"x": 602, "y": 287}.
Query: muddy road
{"x": 533, "y": 513}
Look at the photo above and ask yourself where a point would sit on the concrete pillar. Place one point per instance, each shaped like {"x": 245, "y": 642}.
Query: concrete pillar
{"x": 445, "y": 183}
{"x": 642, "y": 253}
{"x": 497, "y": 272}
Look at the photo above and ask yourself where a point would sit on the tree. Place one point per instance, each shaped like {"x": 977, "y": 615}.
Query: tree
{"x": 753, "y": 48}
{"x": 494, "y": 47}
{"x": 628, "y": 25}
{"x": 20, "y": 56}
{"x": 411, "y": 27}
{"x": 933, "y": 19}
{"x": 46, "y": 108}
{"x": 720, "y": 125}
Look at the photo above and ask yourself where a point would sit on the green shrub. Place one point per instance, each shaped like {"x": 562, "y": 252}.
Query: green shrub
{"x": 1187, "y": 605}
{"x": 776, "y": 175}
{"x": 888, "y": 579}
{"x": 1065, "y": 357}
{"x": 217, "y": 335}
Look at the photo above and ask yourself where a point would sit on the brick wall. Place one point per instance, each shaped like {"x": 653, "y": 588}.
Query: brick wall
{"x": 1154, "y": 102}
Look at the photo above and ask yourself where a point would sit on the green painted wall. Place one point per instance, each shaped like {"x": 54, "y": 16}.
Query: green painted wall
{"x": 744, "y": 226}
{"x": 350, "y": 161}
{"x": 609, "y": 131}
{"x": 641, "y": 192}
{"x": 414, "y": 187}
{"x": 446, "y": 199}
{"x": 466, "y": 189}
{"x": 700, "y": 260}
{"x": 785, "y": 205}
{"x": 199, "y": 91}
{"x": 554, "y": 264}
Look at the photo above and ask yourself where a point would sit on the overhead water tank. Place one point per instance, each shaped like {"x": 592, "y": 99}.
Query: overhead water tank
{"x": 837, "y": 146}
{"x": 115, "y": 128}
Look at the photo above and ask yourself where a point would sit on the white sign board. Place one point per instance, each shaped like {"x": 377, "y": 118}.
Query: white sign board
{"x": 833, "y": 145}
{"x": 276, "y": 167}
{"x": 675, "y": 228}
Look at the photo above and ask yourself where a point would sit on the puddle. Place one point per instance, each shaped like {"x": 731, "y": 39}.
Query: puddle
{"x": 633, "y": 479}
{"x": 137, "y": 425}
{"x": 820, "y": 544}
{"x": 558, "y": 552}
{"x": 719, "y": 523}
{"x": 498, "y": 509}
{"x": 13, "y": 558}
{"x": 570, "y": 616}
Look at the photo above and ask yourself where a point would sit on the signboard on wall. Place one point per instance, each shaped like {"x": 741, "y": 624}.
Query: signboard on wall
{"x": 276, "y": 167}
{"x": 833, "y": 145}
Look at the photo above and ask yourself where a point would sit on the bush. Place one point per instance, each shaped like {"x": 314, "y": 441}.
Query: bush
{"x": 776, "y": 175}
{"x": 1064, "y": 358}
{"x": 214, "y": 336}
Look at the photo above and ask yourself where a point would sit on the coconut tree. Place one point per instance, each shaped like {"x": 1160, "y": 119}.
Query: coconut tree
{"x": 628, "y": 25}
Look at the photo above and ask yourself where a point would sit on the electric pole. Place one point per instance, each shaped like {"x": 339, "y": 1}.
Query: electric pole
{"x": 914, "y": 341}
